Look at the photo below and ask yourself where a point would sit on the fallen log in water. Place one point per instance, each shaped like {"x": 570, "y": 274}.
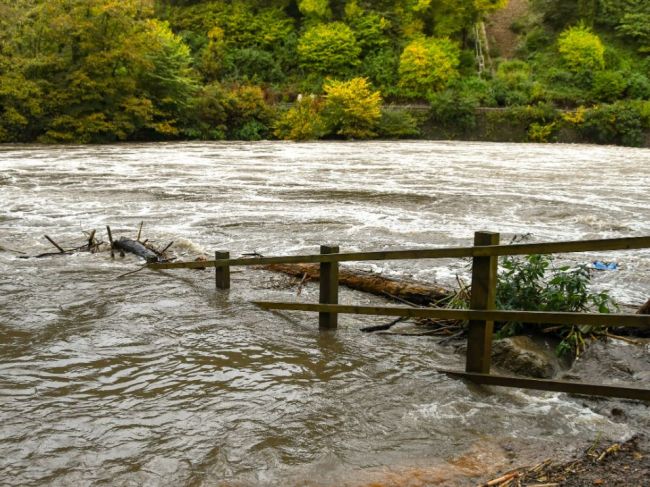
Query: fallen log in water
{"x": 401, "y": 290}
{"x": 134, "y": 247}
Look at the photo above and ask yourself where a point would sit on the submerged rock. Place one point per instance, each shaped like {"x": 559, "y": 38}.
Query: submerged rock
{"x": 615, "y": 361}
{"x": 523, "y": 355}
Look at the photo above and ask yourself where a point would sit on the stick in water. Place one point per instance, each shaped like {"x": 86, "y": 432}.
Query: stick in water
{"x": 140, "y": 231}
{"x": 110, "y": 239}
{"x": 55, "y": 244}
{"x": 166, "y": 248}
{"x": 91, "y": 239}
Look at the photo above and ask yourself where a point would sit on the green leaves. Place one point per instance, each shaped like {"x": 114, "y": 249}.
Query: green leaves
{"x": 533, "y": 284}
{"x": 329, "y": 49}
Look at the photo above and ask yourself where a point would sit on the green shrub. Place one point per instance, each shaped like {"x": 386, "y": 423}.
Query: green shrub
{"x": 479, "y": 90}
{"x": 541, "y": 132}
{"x": 427, "y": 65}
{"x": 381, "y": 68}
{"x": 638, "y": 87}
{"x": 252, "y": 64}
{"x": 303, "y": 121}
{"x": 514, "y": 74}
{"x": 248, "y": 114}
{"x": 532, "y": 283}
{"x": 397, "y": 124}
{"x": 618, "y": 123}
{"x": 351, "y": 109}
{"x": 581, "y": 49}
{"x": 370, "y": 29}
{"x": 608, "y": 86}
{"x": 452, "y": 110}
{"x": 329, "y": 49}
{"x": 208, "y": 114}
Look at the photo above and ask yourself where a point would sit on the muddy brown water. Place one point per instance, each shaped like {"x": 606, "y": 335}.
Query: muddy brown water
{"x": 158, "y": 379}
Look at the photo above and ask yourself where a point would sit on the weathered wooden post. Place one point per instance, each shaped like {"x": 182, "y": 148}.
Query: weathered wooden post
{"x": 329, "y": 288}
{"x": 484, "y": 285}
{"x": 222, "y": 273}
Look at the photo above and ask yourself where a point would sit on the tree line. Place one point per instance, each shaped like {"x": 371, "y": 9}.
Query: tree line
{"x": 83, "y": 71}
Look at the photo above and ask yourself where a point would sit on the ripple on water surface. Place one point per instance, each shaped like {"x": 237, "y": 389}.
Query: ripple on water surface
{"x": 156, "y": 379}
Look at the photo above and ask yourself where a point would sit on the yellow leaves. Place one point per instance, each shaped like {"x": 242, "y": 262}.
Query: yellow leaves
{"x": 576, "y": 117}
{"x": 581, "y": 49}
{"x": 318, "y": 8}
{"x": 351, "y": 108}
{"x": 303, "y": 121}
{"x": 427, "y": 65}
{"x": 216, "y": 34}
{"x": 487, "y": 6}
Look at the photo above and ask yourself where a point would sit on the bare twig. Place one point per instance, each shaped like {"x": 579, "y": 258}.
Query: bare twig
{"x": 166, "y": 248}
{"x": 387, "y": 326}
{"x": 110, "y": 240}
{"x": 401, "y": 300}
{"x": 301, "y": 283}
{"x": 623, "y": 339}
{"x": 612, "y": 449}
{"x": 55, "y": 244}
{"x": 140, "y": 231}
{"x": 91, "y": 239}
{"x": 12, "y": 250}
{"x": 503, "y": 479}
{"x": 131, "y": 272}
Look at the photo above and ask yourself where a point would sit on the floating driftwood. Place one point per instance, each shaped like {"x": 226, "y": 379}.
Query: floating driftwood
{"x": 402, "y": 290}
{"x": 134, "y": 247}
{"x": 140, "y": 248}
{"x": 92, "y": 245}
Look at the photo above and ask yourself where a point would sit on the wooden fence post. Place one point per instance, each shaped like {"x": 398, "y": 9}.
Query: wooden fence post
{"x": 484, "y": 285}
{"x": 329, "y": 288}
{"x": 222, "y": 274}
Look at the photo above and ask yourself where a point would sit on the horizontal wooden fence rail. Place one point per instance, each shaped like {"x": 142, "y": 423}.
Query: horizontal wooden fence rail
{"x": 532, "y": 317}
{"x": 437, "y": 253}
{"x": 480, "y": 318}
{"x": 552, "y": 385}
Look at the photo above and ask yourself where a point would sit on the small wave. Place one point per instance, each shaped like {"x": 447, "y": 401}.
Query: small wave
{"x": 184, "y": 244}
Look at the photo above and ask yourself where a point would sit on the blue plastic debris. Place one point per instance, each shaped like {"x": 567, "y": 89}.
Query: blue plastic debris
{"x": 599, "y": 265}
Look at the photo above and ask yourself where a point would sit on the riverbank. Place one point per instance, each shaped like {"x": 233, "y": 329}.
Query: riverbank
{"x": 606, "y": 464}
{"x": 528, "y": 124}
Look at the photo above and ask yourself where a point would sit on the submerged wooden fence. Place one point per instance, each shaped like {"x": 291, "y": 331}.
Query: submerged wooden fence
{"x": 481, "y": 316}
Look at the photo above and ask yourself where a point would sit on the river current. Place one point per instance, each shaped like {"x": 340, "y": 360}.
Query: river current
{"x": 156, "y": 378}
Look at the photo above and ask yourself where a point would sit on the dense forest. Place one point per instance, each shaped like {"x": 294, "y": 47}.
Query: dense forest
{"x": 81, "y": 71}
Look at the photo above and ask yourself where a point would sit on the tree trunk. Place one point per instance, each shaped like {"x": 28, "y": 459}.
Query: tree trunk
{"x": 405, "y": 290}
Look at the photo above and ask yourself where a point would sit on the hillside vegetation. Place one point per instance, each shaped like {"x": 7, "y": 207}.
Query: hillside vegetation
{"x": 81, "y": 71}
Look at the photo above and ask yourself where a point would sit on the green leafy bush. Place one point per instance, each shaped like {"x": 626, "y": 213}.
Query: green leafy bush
{"x": 532, "y": 283}
{"x": 451, "y": 110}
{"x": 427, "y": 65}
{"x": 329, "y": 49}
{"x": 608, "y": 86}
{"x": 381, "y": 68}
{"x": 581, "y": 49}
{"x": 252, "y": 64}
{"x": 538, "y": 132}
{"x": 248, "y": 114}
{"x": 638, "y": 86}
{"x": 351, "y": 108}
{"x": 618, "y": 123}
{"x": 302, "y": 121}
{"x": 397, "y": 124}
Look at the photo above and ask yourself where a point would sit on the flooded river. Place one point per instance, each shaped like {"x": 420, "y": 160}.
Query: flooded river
{"x": 158, "y": 379}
